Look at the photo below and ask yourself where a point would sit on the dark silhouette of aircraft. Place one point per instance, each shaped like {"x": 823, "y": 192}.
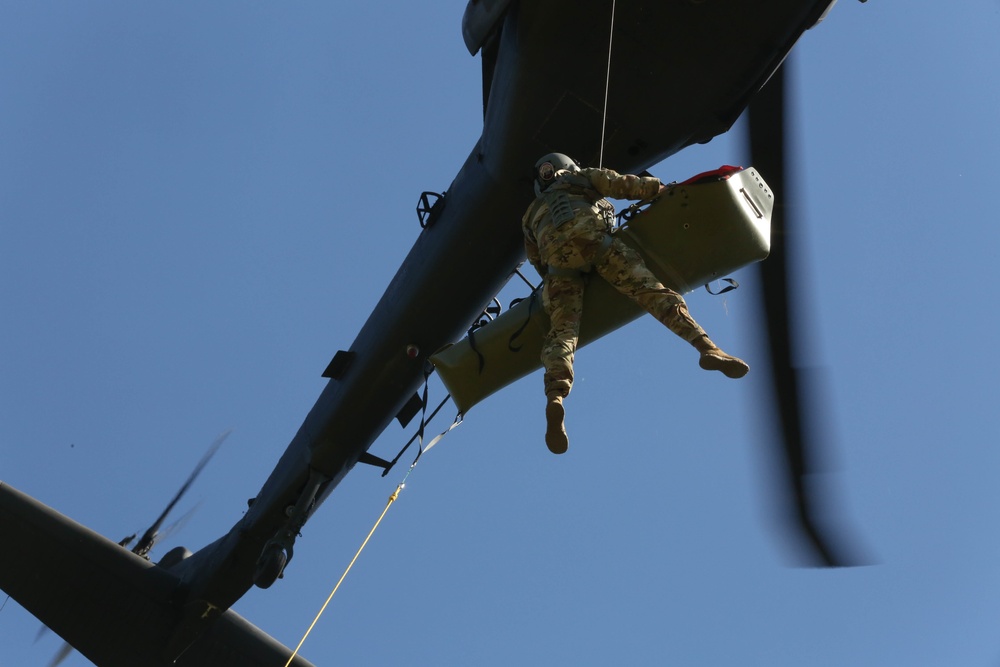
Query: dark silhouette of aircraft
{"x": 119, "y": 609}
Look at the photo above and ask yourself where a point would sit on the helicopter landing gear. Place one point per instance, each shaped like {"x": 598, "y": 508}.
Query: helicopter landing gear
{"x": 278, "y": 551}
{"x": 270, "y": 565}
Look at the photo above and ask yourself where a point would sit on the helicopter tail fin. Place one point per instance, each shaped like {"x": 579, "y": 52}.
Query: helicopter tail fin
{"x": 116, "y": 608}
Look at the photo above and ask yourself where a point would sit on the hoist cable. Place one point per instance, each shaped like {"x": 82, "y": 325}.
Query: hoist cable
{"x": 607, "y": 86}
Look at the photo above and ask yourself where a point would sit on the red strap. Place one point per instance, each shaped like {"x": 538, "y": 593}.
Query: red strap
{"x": 720, "y": 174}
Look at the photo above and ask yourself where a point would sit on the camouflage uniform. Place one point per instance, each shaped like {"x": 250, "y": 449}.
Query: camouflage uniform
{"x": 561, "y": 253}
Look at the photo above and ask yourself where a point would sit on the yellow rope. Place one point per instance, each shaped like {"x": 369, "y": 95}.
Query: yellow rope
{"x": 392, "y": 499}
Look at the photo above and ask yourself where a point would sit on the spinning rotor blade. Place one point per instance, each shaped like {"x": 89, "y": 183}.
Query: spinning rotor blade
{"x": 768, "y": 150}
{"x": 61, "y": 655}
{"x": 176, "y": 525}
{"x": 64, "y": 651}
{"x": 150, "y": 537}
{"x": 152, "y": 534}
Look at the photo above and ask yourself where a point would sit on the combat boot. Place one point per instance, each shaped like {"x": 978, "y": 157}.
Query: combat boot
{"x": 555, "y": 430}
{"x": 679, "y": 320}
{"x": 714, "y": 359}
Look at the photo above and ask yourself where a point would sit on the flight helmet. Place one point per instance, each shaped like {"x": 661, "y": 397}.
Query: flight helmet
{"x": 548, "y": 166}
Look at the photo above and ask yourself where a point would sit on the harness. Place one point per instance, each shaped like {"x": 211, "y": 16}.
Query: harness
{"x": 562, "y": 208}
{"x": 556, "y": 207}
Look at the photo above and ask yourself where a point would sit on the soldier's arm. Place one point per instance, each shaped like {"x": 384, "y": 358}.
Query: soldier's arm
{"x": 531, "y": 250}
{"x": 531, "y": 244}
{"x": 622, "y": 186}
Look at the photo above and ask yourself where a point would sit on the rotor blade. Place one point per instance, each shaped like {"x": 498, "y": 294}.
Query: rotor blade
{"x": 63, "y": 653}
{"x": 176, "y": 525}
{"x": 768, "y": 150}
{"x": 150, "y": 536}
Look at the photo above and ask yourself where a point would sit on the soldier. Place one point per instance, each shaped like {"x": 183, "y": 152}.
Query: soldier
{"x": 568, "y": 233}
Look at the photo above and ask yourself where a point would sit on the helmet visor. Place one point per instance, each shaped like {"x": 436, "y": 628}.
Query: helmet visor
{"x": 546, "y": 172}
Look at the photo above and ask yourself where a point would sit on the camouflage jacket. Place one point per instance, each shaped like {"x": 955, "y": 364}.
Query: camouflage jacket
{"x": 549, "y": 222}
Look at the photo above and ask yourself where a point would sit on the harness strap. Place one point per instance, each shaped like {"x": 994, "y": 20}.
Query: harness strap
{"x": 602, "y": 252}
{"x": 527, "y": 320}
{"x": 565, "y": 273}
{"x": 732, "y": 285}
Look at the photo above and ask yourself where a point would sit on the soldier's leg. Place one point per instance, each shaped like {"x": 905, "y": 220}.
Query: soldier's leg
{"x": 624, "y": 269}
{"x": 562, "y": 298}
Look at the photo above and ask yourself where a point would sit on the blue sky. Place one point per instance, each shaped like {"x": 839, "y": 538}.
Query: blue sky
{"x": 200, "y": 204}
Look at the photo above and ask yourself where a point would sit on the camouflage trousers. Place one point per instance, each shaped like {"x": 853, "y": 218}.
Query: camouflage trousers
{"x": 562, "y": 298}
